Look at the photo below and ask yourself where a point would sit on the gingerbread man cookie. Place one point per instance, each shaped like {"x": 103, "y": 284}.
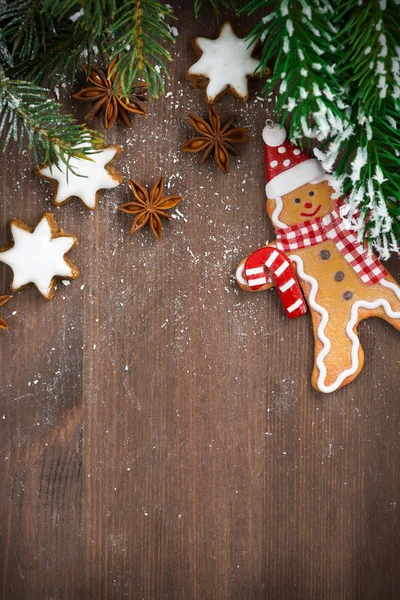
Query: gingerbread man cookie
{"x": 342, "y": 282}
{"x": 37, "y": 256}
{"x": 84, "y": 178}
{"x": 224, "y": 65}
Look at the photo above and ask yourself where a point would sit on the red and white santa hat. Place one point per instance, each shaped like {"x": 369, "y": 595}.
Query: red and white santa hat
{"x": 287, "y": 167}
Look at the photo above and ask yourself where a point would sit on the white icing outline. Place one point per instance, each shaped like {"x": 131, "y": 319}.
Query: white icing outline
{"x": 239, "y": 275}
{"x": 392, "y": 286}
{"x": 380, "y": 302}
{"x": 277, "y": 211}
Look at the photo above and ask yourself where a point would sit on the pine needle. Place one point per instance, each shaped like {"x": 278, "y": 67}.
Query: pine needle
{"x": 29, "y": 117}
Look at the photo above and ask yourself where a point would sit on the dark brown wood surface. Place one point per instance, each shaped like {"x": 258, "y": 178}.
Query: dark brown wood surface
{"x": 159, "y": 436}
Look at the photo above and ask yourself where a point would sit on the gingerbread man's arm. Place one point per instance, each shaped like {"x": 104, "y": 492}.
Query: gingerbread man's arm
{"x": 242, "y": 282}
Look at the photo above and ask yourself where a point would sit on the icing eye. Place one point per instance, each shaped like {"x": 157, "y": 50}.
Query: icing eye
{"x": 297, "y": 200}
{"x": 311, "y": 193}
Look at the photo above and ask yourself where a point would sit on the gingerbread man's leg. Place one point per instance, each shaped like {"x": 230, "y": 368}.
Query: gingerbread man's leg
{"x": 338, "y": 355}
{"x": 388, "y": 291}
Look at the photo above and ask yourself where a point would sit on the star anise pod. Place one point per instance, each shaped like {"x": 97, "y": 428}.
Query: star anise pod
{"x": 3, "y": 300}
{"x": 149, "y": 208}
{"x": 215, "y": 138}
{"x": 109, "y": 99}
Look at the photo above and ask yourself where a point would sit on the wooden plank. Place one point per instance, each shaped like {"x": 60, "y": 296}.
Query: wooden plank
{"x": 159, "y": 434}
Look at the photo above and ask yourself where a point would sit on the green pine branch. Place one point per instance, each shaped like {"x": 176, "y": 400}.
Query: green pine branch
{"x": 218, "y": 5}
{"x": 135, "y": 31}
{"x": 298, "y": 38}
{"x": 137, "y": 36}
{"x": 91, "y": 15}
{"x": 337, "y": 72}
{"x": 24, "y": 26}
{"x": 61, "y": 58}
{"x": 76, "y": 36}
{"x": 368, "y": 166}
{"x": 369, "y": 38}
{"x": 29, "y": 117}
{"x": 49, "y": 40}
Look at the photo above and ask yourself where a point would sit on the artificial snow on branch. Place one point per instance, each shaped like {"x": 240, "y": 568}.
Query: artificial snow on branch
{"x": 47, "y": 41}
{"x": 336, "y": 71}
{"x": 136, "y": 36}
{"x": 29, "y": 116}
{"x": 76, "y": 31}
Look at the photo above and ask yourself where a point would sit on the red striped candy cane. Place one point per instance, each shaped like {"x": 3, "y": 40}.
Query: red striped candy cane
{"x": 270, "y": 260}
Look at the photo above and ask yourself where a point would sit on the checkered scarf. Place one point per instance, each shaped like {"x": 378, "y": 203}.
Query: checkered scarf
{"x": 332, "y": 227}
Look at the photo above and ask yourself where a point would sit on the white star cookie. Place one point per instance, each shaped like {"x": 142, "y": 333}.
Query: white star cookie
{"x": 37, "y": 255}
{"x": 224, "y": 65}
{"x": 84, "y": 179}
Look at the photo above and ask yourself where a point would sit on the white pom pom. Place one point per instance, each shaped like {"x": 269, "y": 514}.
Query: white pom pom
{"x": 274, "y": 134}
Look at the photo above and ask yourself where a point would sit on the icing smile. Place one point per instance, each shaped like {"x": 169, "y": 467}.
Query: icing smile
{"x": 311, "y": 214}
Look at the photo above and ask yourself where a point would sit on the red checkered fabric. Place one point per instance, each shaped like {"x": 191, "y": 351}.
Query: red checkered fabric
{"x": 332, "y": 227}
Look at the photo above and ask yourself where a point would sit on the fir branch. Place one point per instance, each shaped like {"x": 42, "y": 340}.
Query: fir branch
{"x": 75, "y": 37}
{"x": 25, "y": 26}
{"x": 351, "y": 107}
{"x": 218, "y": 5}
{"x": 370, "y": 60}
{"x": 61, "y": 58}
{"x": 299, "y": 37}
{"x": 28, "y": 115}
{"x": 91, "y": 15}
{"x": 5, "y": 56}
{"x": 367, "y": 172}
{"x": 133, "y": 31}
{"x": 137, "y": 33}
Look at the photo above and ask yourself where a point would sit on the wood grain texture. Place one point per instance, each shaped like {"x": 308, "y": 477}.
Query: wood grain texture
{"x": 159, "y": 436}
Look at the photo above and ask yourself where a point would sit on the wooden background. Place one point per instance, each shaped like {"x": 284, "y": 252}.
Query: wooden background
{"x": 159, "y": 437}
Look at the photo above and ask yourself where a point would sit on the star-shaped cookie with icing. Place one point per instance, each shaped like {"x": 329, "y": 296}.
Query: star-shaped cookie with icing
{"x": 84, "y": 178}
{"x": 37, "y": 256}
{"x": 224, "y": 65}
